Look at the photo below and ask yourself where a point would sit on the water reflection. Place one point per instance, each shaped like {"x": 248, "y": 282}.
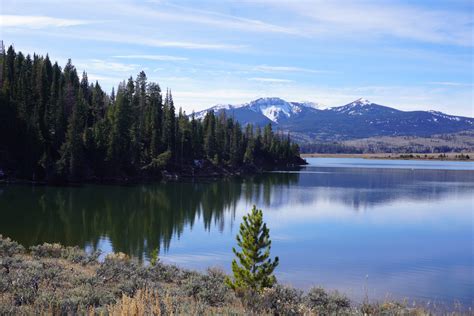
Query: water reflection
{"x": 136, "y": 219}
{"x": 363, "y": 187}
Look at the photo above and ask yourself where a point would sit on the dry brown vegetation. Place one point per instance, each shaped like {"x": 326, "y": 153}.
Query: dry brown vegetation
{"x": 408, "y": 156}
{"x": 50, "y": 279}
{"x": 443, "y": 143}
{"x": 454, "y": 143}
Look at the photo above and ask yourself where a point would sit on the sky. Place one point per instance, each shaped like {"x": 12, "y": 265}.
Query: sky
{"x": 411, "y": 55}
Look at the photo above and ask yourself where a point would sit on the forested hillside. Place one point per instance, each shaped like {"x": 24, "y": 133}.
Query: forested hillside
{"x": 55, "y": 126}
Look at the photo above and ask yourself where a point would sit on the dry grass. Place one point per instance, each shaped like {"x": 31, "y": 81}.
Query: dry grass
{"x": 144, "y": 302}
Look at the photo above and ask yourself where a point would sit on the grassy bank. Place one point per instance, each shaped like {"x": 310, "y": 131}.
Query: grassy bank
{"x": 52, "y": 279}
{"x": 408, "y": 156}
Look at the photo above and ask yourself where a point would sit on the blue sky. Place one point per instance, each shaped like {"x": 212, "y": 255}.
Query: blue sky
{"x": 406, "y": 54}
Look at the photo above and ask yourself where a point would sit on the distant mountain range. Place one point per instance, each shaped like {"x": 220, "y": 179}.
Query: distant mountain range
{"x": 309, "y": 121}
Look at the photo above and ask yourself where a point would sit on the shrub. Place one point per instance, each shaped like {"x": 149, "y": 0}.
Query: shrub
{"x": 77, "y": 255}
{"x": 282, "y": 300}
{"x": 73, "y": 254}
{"x": 319, "y": 301}
{"x": 46, "y": 250}
{"x": 209, "y": 288}
{"x": 389, "y": 308}
{"x": 9, "y": 248}
{"x": 25, "y": 285}
{"x": 87, "y": 295}
{"x": 116, "y": 267}
{"x": 168, "y": 273}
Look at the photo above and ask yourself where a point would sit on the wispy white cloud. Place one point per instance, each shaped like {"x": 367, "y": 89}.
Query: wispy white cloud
{"x": 210, "y": 18}
{"x": 451, "y": 84}
{"x": 153, "y": 57}
{"x": 156, "y": 42}
{"x": 266, "y": 68}
{"x": 105, "y": 81}
{"x": 38, "y": 22}
{"x": 188, "y": 45}
{"x": 151, "y": 41}
{"x": 98, "y": 65}
{"x": 270, "y": 80}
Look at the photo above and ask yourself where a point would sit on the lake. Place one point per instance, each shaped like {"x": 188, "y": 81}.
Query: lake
{"x": 381, "y": 228}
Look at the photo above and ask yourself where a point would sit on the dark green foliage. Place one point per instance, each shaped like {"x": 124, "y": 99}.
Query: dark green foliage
{"x": 154, "y": 257}
{"x": 160, "y": 162}
{"x": 254, "y": 271}
{"x": 57, "y": 127}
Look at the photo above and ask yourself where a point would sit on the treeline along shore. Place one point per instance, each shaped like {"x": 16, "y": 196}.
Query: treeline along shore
{"x": 58, "y": 127}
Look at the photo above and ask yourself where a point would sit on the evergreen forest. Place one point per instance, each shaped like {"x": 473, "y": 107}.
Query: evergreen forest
{"x": 56, "y": 126}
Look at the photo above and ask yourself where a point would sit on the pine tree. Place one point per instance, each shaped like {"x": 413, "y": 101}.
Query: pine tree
{"x": 72, "y": 160}
{"x": 235, "y": 145}
{"x": 169, "y": 128}
{"x": 153, "y": 127}
{"x": 255, "y": 271}
{"x": 210, "y": 146}
{"x": 118, "y": 152}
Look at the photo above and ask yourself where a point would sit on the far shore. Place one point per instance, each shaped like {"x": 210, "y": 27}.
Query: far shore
{"x": 399, "y": 156}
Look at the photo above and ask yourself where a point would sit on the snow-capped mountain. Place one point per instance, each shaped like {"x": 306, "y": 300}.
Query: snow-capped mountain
{"x": 358, "y": 119}
{"x": 358, "y": 107}
{"x": 274, "y": 109}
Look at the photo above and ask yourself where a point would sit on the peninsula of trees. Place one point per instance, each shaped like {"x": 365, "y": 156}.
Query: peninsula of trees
{"x": 57, "y": 127}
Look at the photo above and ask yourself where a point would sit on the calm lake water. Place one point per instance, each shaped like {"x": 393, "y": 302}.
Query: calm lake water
{"x": 397, "y": 229}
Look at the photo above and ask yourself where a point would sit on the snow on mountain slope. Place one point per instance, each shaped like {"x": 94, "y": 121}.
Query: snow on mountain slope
{"x": 275, "y": 109}
{"x": 360, "y": 107}
{"x": 438, "y": 115}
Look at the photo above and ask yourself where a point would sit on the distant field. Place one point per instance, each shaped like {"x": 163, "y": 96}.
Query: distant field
{"x": 418, "y": 156}
{"x": 461, "y": 142}
{"x": 456, "y": 142}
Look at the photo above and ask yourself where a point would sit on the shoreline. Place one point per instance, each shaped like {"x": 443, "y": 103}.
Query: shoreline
{"x": 398, "y": 156}
{"x": 54, "y": 279}
{"x": 208, "y": 171}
